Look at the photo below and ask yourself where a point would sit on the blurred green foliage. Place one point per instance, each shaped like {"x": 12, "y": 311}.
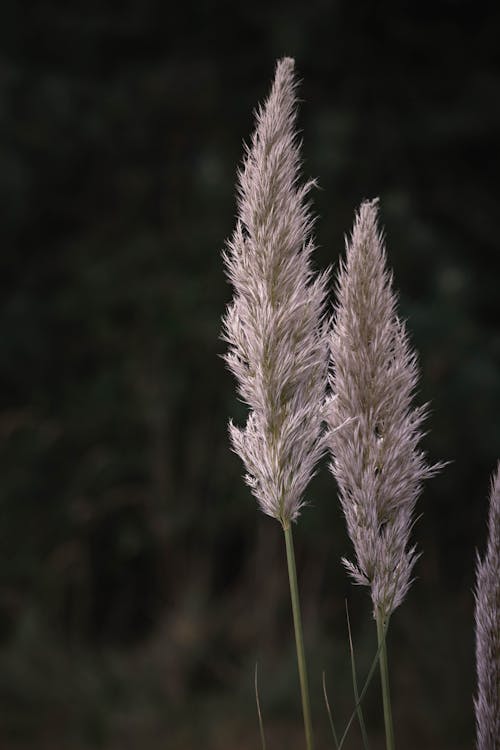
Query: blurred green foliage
{"x": 138, "y": 583}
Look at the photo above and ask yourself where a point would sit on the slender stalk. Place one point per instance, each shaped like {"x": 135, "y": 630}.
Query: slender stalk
{"x": 299, "y": 638}
{"x": 384, "y": 678}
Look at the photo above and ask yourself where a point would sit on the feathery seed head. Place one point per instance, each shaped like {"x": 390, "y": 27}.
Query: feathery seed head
{"x": 275, "y": 326}
{"x": 375, "y": 457}
{"x": 487, "y": 615}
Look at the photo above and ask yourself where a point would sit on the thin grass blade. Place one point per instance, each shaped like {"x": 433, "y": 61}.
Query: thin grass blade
{"x": 371, "y": 672}
{"x": 259, "y": 712}
{"x": 329, "y": 712}
{"x": 362, "y": 726}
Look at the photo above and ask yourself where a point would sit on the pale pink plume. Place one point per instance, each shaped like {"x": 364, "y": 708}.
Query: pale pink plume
{"x": 376, "y": 460}
{"x": 275, "y": 325}
{"x": 487, "y": 701}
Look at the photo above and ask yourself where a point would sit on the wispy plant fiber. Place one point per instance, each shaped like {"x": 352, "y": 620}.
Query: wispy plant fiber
{"x": 275, "y": 325}
{"x": 487, "y": 701}
{"x": 375, "y": 456}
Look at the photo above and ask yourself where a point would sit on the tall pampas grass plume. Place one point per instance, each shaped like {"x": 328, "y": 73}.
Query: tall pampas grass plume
{"x": 275, "y": 325}
{"x": 487, "y": 616}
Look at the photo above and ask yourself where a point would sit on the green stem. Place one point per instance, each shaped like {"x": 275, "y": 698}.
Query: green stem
{"x": 299, "y": 638}
{"x": 384, "y": 678}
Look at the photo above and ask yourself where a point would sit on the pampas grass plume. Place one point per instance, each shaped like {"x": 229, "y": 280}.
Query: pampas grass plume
{"x": 376, "y": 461}
{"x": 487, "y": 615}
{"x": 275, "y": 327}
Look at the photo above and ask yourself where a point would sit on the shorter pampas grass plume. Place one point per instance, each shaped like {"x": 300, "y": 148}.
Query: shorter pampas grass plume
{"x": 487, "y": 616}
{"x": 376, "y": 461}
{"x": 375, "y": 457}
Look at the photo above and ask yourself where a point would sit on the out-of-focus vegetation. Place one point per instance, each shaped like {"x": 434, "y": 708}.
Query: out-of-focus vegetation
{"x": 138, "y": 582}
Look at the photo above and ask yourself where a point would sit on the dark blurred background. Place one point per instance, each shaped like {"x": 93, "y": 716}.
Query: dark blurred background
{"x": 139, "y": 584}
